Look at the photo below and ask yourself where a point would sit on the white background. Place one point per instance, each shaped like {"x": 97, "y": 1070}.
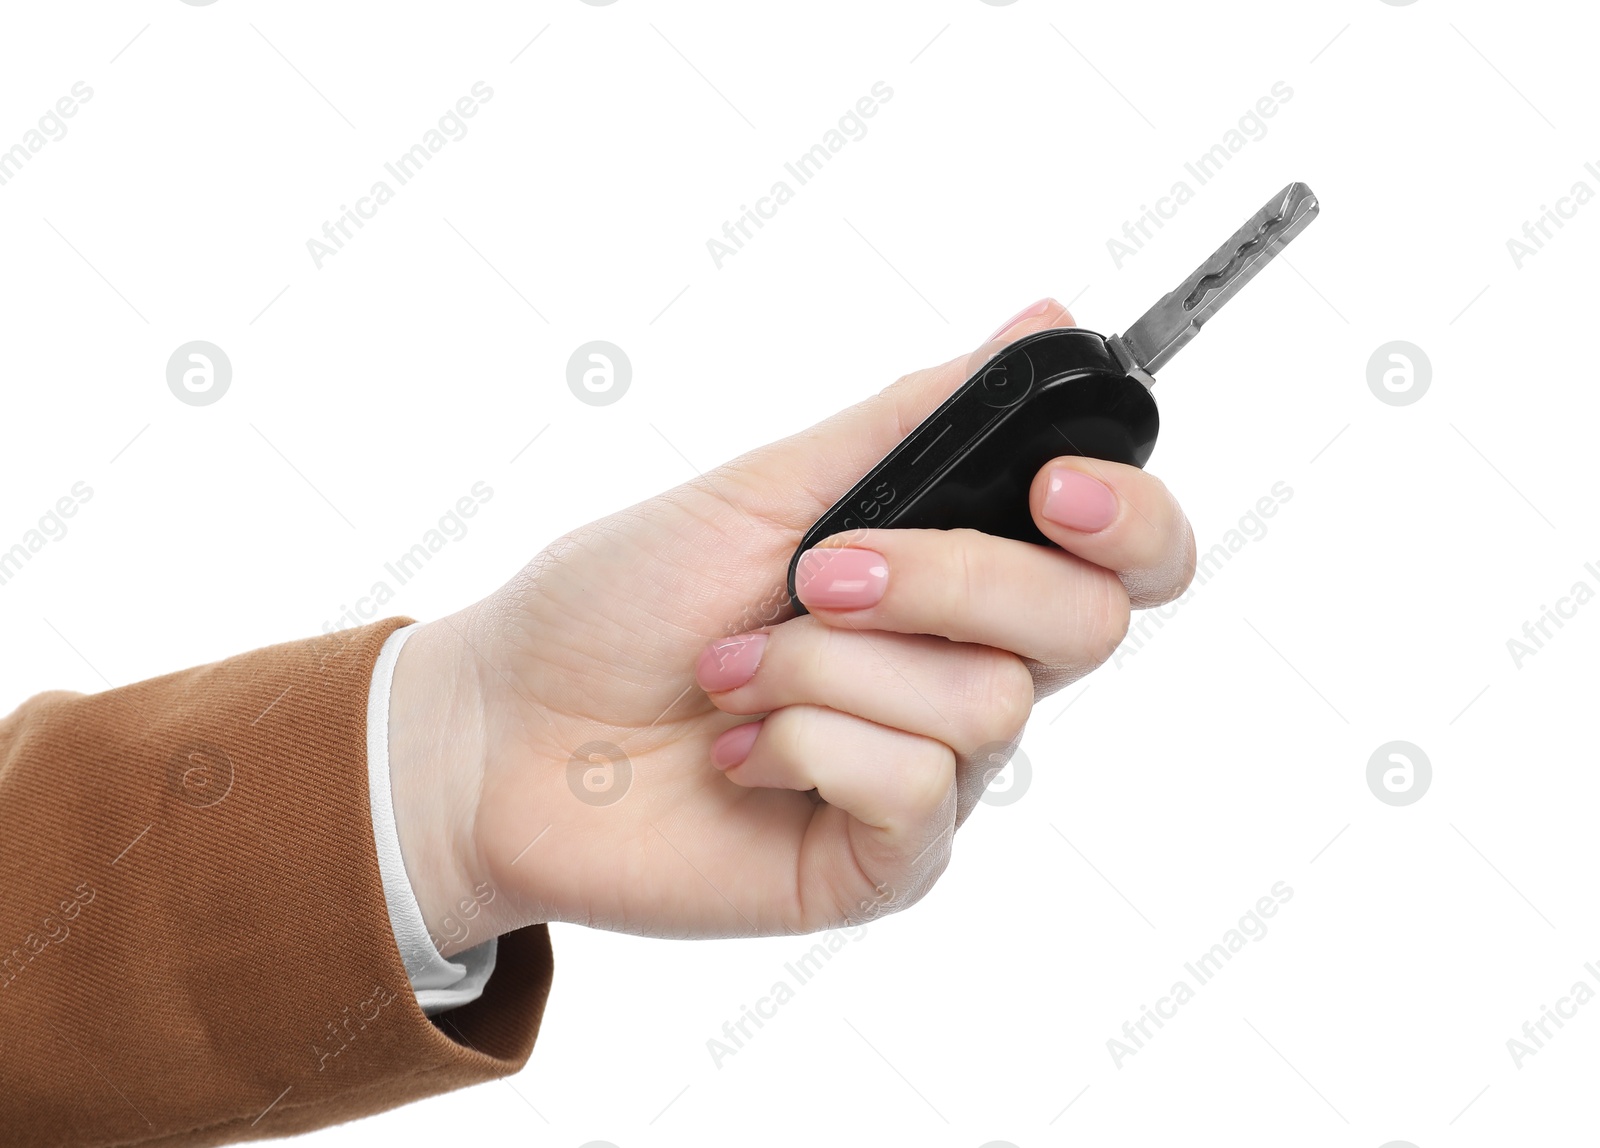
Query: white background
{"x": 1222, "y": 757}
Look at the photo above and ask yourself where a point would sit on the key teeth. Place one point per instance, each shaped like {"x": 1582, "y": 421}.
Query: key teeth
{"x": 1177, "y": 316}
{"x": 1295, "y": 195}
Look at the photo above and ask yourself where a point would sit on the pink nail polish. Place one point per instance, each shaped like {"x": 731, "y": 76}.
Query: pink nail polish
{"x": 1029, "y": 312}
{"x": 841, "y": 578}
{"x": 1078, "y": 502}
{"x": 729, "y": 663}
{"x": 733, "y": 745}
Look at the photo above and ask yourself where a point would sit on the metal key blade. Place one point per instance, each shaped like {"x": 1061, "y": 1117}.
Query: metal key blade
{"x": 1164, "y": 329}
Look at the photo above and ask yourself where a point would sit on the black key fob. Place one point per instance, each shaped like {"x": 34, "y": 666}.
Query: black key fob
{"x": 1065, "y": 391}
{"x": 971, "y": 462}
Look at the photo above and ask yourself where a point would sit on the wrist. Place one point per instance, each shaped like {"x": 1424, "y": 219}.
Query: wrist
{"x": 436, "y": 757}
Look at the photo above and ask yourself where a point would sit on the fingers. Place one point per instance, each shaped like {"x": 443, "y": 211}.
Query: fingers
{"x": 886, "y": 778}
{"x": 1036, "y": 601}
{"x": 966, "y": 696}
{"x": 895, "y": 792}
{"x": 1120, "y": 518}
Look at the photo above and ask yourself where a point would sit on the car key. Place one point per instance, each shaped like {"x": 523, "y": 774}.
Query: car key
{"x": 1064, "y": 391}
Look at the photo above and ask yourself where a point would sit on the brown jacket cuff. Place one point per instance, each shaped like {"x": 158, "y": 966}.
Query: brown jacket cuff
{"x": 196, "y": 946}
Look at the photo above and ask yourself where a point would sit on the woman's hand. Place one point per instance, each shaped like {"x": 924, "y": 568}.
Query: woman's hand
{"x": 626, "y": 736}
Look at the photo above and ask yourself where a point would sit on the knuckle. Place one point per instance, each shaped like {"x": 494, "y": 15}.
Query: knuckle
{"x": 902, "y": 382}
{"x": 928, "y": 773}
{"x": 1101, "y": 617}
{"x": 1115, "y": 618}
{"x": 1017, "y": 697}
{"x": 1004, "y": 699}
{"x": 900, "y": 398}
{"x": 1115, "y": 615}
{"x": 808, "y": 651}
{"x": 784, "y": 732}
{"x": 965, "y": 580}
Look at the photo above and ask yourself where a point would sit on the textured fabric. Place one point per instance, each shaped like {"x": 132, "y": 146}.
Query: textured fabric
{"x": 196, "y": 946}
{"x": 440, "y": 984}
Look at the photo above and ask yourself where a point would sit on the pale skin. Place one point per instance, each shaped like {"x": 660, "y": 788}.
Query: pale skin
{"x": 802, "y": 780}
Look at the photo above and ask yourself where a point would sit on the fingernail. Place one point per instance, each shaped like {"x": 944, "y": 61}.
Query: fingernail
{"x": 733, "y": 745}
{"x": 841, "y": 578}
{"x": 1078, "y": 502}
{"x": 1029, "y": 312}
{"x": 729, "y": 663}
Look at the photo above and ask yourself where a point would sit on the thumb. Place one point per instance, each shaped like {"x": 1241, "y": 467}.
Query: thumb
{"x": 797, "y": 478}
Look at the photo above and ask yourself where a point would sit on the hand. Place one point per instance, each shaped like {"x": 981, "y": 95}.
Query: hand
{"x": 657, "y": 632}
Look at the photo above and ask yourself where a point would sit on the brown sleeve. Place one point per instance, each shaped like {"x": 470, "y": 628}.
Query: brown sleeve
{"x": 194, "y": 946}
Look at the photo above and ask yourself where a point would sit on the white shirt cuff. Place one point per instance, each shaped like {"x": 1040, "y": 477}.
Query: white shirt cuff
{"x": 440, "y": 984}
